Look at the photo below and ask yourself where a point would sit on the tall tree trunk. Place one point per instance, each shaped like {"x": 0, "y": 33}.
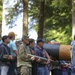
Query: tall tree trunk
{"x": 0, "y": 29}
{"x": 25, "y": 17}
{"x": 1, "y": 8}
{"x": 73, "y": 18}
{"x": 41, "y": 19}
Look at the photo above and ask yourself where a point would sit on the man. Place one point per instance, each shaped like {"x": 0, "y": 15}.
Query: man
{"x": 54, "y": 66}
{"x": 73, "y": 57}
{"x": 42, "y": 68}
{"x": 34, "y": 64}
{"x": 5, "y": 56}
{"x": 14, "y": 53}
{"x": 24, "y": 61}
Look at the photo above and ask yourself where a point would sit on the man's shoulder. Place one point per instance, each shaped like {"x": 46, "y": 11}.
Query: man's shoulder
{"x": 2, "y": 45}
{"x": 73, "y": 43}
{"x": 11, "y": 43}
{"x": 36, "y": 48}
{"x": 22, "y": 45}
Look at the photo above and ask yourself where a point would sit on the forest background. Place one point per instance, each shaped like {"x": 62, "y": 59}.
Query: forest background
{"x": 52, "y": 19}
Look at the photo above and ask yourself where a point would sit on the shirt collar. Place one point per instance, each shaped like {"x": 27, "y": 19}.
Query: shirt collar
{"x": 39, "y": 47}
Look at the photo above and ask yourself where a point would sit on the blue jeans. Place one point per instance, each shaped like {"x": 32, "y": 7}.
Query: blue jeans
{"x": 4, "y": 70}
{"x": 42, "y": 71}
{"x": 56, "y": 72}
{"x": 12, "y": 68}
{"x": 72, "y": 73}
{"x": 64, "y": 73}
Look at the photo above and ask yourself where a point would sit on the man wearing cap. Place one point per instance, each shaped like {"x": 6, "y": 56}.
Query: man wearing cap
{"x": 5, "y": 56}
{"x": 42, "y": 68}
{"x": 23, "y": 60}
{"x": 14, "y": 53}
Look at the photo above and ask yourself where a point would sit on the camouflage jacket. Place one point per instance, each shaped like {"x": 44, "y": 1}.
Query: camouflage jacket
{"x": 22, "y": 58}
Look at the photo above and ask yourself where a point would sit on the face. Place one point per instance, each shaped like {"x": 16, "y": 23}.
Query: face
{"x": 26, "y": 41}
{"x": 41, "y": 44}
{"x": 7, "y": 40}
{"x": 32, "y": 44}
{"x": 13, "y": 37}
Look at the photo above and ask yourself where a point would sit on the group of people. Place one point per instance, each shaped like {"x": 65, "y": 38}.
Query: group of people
{"x": 20, "y": 58}
{"x": 16, "y": 59}
{"x": 8, "y": 54}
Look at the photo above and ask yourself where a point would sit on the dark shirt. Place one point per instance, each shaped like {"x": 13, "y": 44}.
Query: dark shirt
{"x": 31, "y": 49}
{"x": 41, "y": 53}
{"x": 34, "y": 64}
{"x": 4, "y": 49}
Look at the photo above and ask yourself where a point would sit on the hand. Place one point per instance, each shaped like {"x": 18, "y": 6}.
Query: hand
{"x": 38, "y": 60}
{"x": 48, "y": 61}
{"x": 10, "y": 57}
{"x": 32, "y": 58}
{"x": 45, "y": 63}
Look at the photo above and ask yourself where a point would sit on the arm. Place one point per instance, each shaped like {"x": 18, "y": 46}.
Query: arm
{"x": 14, "y": 48}
{"x": 41, "y": 60}
{"x": 48, "y": 57}
{"x": 16, "y": 52}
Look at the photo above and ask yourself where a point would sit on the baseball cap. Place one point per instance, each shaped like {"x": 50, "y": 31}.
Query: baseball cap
{"x": 4, "y": 37}
{"x": 25, "y": 37}
{"x": 11, "y": 34}
{"x": 40, "y": 40}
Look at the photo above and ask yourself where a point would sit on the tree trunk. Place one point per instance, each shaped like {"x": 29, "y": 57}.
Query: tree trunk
{"x": 41, "y": 19}
{"x": 73, "y": 18}
{"x": 1, "y": 8}
{"x": 25, "y": 17}
{"x": 0, "y": 29}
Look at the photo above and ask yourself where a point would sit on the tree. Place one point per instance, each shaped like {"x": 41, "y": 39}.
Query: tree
{"x": 25, "y": 17}
{"x": 20, "y": 7}
{"x": 73, "y": 18}
{"x": 57, "y": 21}
{"x": 13, "y": 12}
{"x": 41, "y": 19}
{"x": 1, "y": 6}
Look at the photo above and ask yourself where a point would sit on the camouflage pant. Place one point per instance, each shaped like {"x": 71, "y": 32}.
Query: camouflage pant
{"x": 25, "y": 70}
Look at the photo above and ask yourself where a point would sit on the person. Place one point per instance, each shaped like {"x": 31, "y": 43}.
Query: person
{"x": 64, "y": 67}
{"x": 42, "y": 68}
{"x": 34, "y": 64}
{"x": 5, "y": 55}
{"x": 54, "y": 66}
{"x": 23, "y": 60}
{"x": 14, "y": 53}
{"x": 18, "y": 43}
{"x": 0, "y": 41}
{"x": 73, "y": 57}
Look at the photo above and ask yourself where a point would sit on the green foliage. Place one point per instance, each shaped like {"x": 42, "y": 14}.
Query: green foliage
{"x": 58, "y": 21}
{"x": 58, "y": 18}
{"x": 63, "y": 36}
